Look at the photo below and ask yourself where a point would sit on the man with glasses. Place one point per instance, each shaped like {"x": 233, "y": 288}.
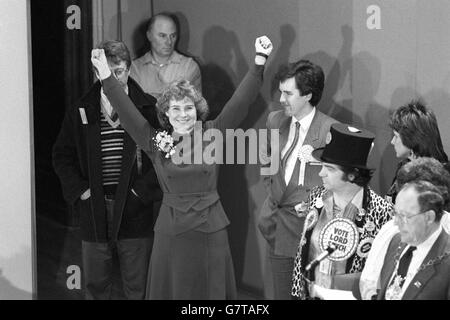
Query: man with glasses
{"x": 417, "y": 262}
{"x": 109, "y": 182}
{"x": 426, "y": 169}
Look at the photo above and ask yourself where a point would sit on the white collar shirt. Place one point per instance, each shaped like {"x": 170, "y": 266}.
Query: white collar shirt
{"x": 305, "y": 123}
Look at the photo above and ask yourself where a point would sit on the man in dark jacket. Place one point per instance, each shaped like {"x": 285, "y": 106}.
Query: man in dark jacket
{"x": 109, "y": 182}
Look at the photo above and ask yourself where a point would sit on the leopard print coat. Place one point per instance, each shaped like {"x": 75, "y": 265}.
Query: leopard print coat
{"x": 378, "y": 211}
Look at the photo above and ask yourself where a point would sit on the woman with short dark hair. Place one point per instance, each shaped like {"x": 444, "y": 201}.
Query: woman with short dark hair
{"x": 415, "y": 134}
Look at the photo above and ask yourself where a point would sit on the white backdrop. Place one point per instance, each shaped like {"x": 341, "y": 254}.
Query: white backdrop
{"x": 16, "y": 156}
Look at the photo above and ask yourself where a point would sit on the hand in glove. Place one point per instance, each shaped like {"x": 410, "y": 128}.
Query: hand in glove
{"x": 100, "y": 64}
{"x": 263, "y": 48}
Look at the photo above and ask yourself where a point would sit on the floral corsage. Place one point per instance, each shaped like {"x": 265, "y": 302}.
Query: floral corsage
{"x": 164, "y": 143}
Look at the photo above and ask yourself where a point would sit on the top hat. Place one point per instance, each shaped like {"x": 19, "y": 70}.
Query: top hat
{"x": 346, "y": 146}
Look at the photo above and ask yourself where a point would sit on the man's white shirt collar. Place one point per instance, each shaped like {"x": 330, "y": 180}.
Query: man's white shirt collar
{"x": 358, "y": 199}
{"x": 305, "y": 123}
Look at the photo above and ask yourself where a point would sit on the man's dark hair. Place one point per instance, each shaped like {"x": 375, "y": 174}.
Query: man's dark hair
{"x": 419, "y": 131}
{"x": 429, "y": 197}
{"x": 427, "y": 169}
{"x": 116, "y": 52}
{"x": 362, "y": 176}
{"x": 309, "y": 78}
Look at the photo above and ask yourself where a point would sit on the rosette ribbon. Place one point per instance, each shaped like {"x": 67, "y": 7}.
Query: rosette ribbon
{"x": 305, "y": 156}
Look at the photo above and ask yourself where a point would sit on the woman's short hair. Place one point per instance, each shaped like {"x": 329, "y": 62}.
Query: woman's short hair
{"x": 419, "y": 131}
{"x": 179, "y": 90}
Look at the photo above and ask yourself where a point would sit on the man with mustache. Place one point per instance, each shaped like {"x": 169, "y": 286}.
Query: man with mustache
{"x": 302, "y": 128}
{"x": 163, "y": 64}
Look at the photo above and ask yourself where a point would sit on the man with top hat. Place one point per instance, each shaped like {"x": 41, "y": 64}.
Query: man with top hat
{"x": 344, "y": 216}
{"x": 302, "y": 128}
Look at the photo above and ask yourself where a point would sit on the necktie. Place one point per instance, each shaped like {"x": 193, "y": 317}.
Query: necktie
{"x": 292, "y": 147}
{"x": 404, "y": 263}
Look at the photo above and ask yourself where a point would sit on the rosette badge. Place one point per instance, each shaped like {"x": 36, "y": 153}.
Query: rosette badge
{"x": 164, "y": 143}
{"x": 305, "y": 156}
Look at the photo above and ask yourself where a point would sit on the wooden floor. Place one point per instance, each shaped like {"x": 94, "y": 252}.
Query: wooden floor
{"x": 59, "y": 248}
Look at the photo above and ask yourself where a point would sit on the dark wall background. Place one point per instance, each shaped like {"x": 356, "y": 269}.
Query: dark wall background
{"x": 61, "y": 74}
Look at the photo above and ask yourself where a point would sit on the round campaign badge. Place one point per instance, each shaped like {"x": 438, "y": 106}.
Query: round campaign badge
{"x": 369, "y": 226}
{"x": 353, "y": 129}
{"x": 328, "y": 138}
{"x": 311, "y": 219}
{"x": 342, "y": 234}
{"x": 300, "y": 208}
{"x": 319, "y": 202}
{"x": 364, "y": 247}
{"x": 305, "y": 153}
{"x": 361, "y": 213}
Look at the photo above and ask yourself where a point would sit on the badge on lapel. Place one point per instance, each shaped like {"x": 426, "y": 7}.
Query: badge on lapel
{"x": 301, "y": 208}
{"x": 311, "y": 219}
{"x": 83, "y": 116}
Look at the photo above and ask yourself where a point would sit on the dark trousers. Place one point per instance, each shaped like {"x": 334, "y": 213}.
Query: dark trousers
{"x": 134, "y": 257}
{"x": 282, "y": 270}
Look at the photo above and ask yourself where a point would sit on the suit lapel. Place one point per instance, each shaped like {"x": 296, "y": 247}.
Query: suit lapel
{"x": 93, "y": 141}
{"x": 423, "y": 276}
{"x": 284, "y": 127}
{"x": 313, "y": 135}
{"x": 389, "y": 264}
{"x": 128, "y": 156}
{"x": 284, "y": 131}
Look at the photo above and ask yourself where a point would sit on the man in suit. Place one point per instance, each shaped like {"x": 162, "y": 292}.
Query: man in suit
{"x": 109, "y": 182}
{"x": 425, "y": 169}
{"x": 302, "y": 128}
{"x": 417, "y": 262}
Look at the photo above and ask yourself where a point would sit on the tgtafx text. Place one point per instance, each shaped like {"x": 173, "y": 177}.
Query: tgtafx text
{"x": 230, "y": 309}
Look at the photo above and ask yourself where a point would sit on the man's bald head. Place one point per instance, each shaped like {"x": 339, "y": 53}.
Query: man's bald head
{"x": 162, "y": 34}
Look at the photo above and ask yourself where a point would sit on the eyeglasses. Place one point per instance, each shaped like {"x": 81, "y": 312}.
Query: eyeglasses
{"x": 119, "y": 72}
{"x": 403, "y": 218}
